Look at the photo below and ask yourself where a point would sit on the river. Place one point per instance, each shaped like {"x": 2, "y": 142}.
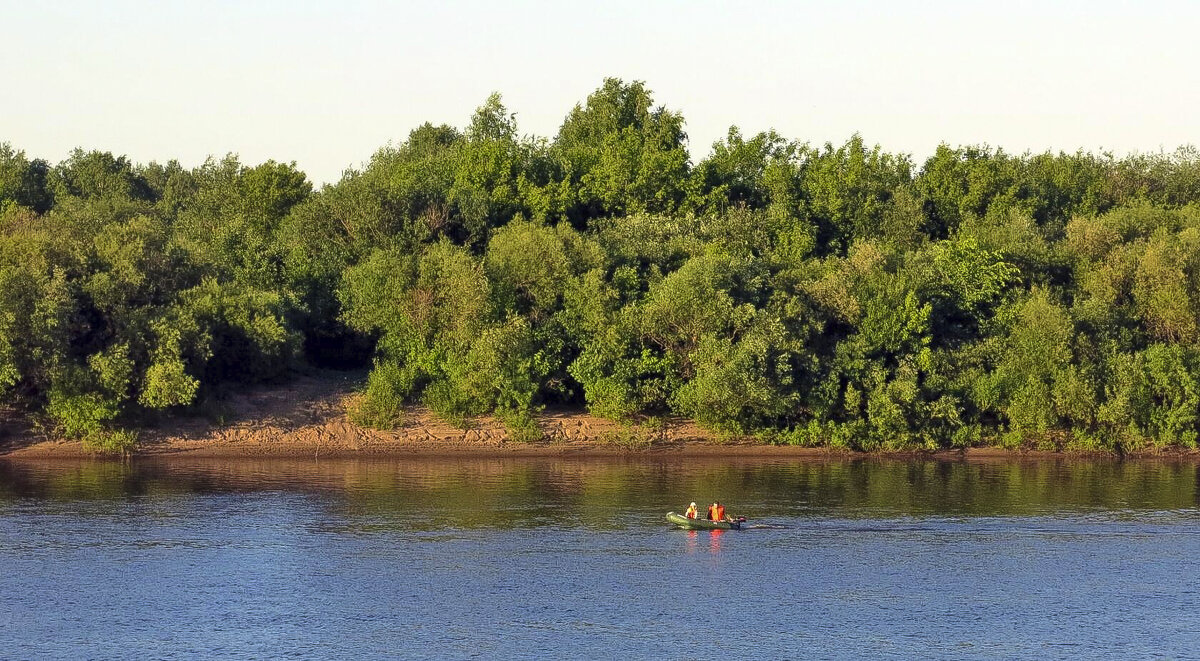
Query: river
{"x": 571, "y": 558}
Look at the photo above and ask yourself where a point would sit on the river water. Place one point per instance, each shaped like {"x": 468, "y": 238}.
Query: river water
{"x": 571, "y": 558}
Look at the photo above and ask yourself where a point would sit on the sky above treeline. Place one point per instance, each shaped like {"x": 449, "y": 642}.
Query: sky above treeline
{"x": 325, "y": 84}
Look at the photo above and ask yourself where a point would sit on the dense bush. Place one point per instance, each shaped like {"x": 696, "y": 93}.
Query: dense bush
{"x": 832, "y": 294}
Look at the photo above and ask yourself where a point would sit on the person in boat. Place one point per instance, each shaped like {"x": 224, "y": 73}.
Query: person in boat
{"x": 712, "y": 512}
{"x": 719, "y": 512}
{"x": 691, "y": 511}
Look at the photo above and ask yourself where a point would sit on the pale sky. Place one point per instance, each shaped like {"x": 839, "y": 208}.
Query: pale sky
{"x": 325, "y": 84}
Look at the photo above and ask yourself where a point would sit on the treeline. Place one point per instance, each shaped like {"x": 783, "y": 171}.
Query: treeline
{"x": 816, "y": 295}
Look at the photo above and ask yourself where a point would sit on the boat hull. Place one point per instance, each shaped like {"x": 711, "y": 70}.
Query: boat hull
{"x": 701, "y": 524}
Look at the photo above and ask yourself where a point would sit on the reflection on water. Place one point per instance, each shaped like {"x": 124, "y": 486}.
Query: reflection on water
{"x": 562, "y": 557}
{"x": 699, "y": 541}
{"x": 533, "y": 492}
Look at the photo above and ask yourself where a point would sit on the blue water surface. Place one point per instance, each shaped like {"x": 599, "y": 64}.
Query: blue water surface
{"x": 546, "y": 559}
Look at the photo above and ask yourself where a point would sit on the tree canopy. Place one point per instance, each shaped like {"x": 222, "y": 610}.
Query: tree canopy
{"x": 828, "y": 294}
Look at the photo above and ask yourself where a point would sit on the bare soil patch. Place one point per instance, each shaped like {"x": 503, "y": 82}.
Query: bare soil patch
{"x": 307, "y": 417}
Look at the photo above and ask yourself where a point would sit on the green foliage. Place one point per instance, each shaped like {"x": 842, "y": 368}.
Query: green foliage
{"x": 115, "y": 441}
{"x": 23, "y": 182}
{"x": 1036, "y": 386}
{"x": 848, "y": 190}
{"x": 96, "y": 174}
{"x": 964, "y": 283}
{"x": 80, "y": 416}
{"x": 1153, "y": 397}
{"x": 621, "y": 154}
{"x": 754, "y": 173}
{"x": 381, "y": 404}
{"x": 520, "y": 425}
{"x": 530, "y": 268}
{"x": 835, "y": 295}
{"x": 742, "y": 386}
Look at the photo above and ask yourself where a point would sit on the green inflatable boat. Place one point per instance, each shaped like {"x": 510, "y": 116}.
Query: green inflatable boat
{"x": 703, "y": 524}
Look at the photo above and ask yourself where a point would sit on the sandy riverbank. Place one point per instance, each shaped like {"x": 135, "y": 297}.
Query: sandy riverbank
{"x": 307, "y": 418}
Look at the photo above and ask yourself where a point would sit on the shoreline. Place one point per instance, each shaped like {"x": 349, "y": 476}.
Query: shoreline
{"x": 306, "y": 418}
{"x": 297, "y": 444}
{"x": 74, "y": 451}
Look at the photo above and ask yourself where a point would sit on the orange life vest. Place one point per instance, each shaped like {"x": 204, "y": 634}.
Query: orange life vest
{"x": 691, "y": 512}
{"x": 720, "y": 515}
{"x": 712, "y": 512}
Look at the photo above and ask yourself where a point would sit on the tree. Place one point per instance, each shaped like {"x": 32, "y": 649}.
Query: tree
{"x": 848, "y": 189}
{"x": 620, "y": 154}
{"x": 22, "y": 181}
{"x": 97, "y": 174}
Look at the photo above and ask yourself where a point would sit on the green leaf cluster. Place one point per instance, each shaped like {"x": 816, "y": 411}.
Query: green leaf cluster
{"x": 835, "y": 295}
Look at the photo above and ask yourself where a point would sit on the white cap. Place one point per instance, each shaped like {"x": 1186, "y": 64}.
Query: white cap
{"x": 693, "y": 504}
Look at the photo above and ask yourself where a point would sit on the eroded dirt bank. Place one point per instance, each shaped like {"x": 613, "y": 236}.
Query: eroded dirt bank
{"x": 307, "y": 418}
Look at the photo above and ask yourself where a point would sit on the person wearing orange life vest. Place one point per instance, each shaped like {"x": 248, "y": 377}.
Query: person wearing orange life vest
{"x": 719, "y": 512}
{"x": 691, "y": 511}
{"x": 712, "y": 512}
